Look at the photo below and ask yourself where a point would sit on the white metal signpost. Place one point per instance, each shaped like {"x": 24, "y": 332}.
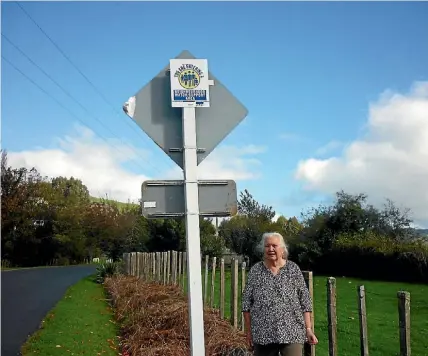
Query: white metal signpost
{"x": 187, "y": 112}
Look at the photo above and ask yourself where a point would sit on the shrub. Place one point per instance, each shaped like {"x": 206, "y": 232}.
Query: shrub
{"x": 6, "y": 264}
{"x": 105, "y": 270}
{"x": 63, "y": 261}
{"x": 373, "y": 256}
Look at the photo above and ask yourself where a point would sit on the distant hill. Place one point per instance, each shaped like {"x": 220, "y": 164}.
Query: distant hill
{"x": 422, "y": 232}
{"x": 121, "y": 206}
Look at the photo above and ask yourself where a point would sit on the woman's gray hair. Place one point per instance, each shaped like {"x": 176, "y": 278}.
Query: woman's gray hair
{"x": 261, "y": 246}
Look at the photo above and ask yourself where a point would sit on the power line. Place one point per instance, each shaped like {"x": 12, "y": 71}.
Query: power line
{"x": 71, "y": 96}
{"x": 60, "y": 104}
{"x": 94, "y": 87}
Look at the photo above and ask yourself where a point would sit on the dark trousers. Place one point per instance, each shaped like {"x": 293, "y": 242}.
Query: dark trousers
{"x": 278, "y": 349}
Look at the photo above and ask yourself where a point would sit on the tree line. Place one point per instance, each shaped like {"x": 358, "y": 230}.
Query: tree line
{"x": 56, "y": 221}
{"x": 349, "y": 237}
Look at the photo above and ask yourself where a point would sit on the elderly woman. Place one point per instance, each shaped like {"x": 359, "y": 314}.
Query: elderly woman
{"x": 276, "y": 303}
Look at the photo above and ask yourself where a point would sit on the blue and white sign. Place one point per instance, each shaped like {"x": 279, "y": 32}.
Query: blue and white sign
{"x": 189, "y": 83}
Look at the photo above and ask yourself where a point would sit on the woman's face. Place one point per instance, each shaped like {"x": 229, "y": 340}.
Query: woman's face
{"x": 273, "y": 249}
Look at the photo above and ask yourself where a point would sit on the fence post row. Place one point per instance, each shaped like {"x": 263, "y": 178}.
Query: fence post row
{"x": 169, "y": 268}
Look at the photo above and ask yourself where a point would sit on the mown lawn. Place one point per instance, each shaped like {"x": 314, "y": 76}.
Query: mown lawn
{"x": 382, "y": 314}
{"x": 80, "y": 324}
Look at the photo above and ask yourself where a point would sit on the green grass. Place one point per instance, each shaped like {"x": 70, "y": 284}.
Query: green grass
{"x": 120, "y": 205}
{"x": 382, "y": 314}
{"x": 80, "y": 324}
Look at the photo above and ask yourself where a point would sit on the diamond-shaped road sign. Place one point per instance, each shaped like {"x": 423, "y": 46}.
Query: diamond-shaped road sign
{"x": 151, "y": 109}
{"x": 165, "y": 199}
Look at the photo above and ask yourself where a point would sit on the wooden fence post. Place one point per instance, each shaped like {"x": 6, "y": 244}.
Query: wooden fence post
{"x": 125, "y": 264}
{"x": 212, "y": 295}
{"x": 157, "y": 262}
{"x": 243, "y": 280}
{"x": 175, "y": 259}
{"x": 234, "y": 294}
{"x": 206, "y": 279}
{"x": 175, "y": 267}
{"x": 164, "y": 268}
{"x": 172, "y": 267}
{"x": 332, "y": 316}
{"x": 222, "y": 288}
{"x": 154, "y": 267}
{"x": 184, "y": 270}
{"x": 309, "y": 350}
{"x": 146, "y": 266}
{"x": 141, "y": 265}
{"x": 137, "y": 264}
{"x": 180, "y": 262}
{"x": 134, "y": 264}
{"x": 404, "y": 322}
{"x": 362, "y": 313}
{"x": 160, "y": 268}
{"x": 168, "y": 266}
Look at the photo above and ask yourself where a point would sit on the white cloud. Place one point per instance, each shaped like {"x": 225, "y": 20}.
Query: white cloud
{"x": 330, "y": 146}
{"x": 100, "y": 165}
{"x": 228, "y": 162}
{"x": 84, "y": 156}
{"x": 391, "y": 161}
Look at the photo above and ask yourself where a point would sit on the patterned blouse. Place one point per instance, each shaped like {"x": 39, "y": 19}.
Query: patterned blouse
{"x": 276, "y": 304}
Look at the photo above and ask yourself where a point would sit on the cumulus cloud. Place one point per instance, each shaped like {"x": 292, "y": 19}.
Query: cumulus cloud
{"x": 390, "y": 161}
{"x": 228, "y": 162}
{"x": 328, "y": 148}
{"x": 100, "y": 165}
{"x": 82, "y": 155}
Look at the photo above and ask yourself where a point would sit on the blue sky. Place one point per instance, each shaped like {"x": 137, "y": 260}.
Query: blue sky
{"x": 323, "y": 63}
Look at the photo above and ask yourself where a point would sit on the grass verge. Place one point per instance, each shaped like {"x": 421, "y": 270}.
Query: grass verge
{"x": 81, "y": 323}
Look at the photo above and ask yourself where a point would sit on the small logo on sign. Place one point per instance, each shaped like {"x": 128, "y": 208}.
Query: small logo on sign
{"x": 189, "y": 76}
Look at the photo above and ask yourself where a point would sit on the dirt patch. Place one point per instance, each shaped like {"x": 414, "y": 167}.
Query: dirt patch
{"x": 154, "y": 321}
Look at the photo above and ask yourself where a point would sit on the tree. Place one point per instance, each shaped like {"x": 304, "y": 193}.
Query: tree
{"x": 211, "y": 244}
{"x": 249, "y": 207}
{"x": 243, "y": 232}
{"x": 350, "y": 215}
{"x": 20, "y": 206}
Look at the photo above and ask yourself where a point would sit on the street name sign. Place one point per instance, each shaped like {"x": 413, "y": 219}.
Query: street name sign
{"x": 165, "y": 199}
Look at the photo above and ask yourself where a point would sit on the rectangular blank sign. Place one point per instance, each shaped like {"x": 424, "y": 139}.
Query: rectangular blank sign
{"x": 165, "y": 199}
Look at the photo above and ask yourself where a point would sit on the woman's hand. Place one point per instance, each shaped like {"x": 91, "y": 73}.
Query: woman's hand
{"x": 312, "y": 339}
{"x": 250, "y": 340}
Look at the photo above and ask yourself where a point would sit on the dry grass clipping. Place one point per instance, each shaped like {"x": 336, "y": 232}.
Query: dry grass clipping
{"x": 155, "y": 321}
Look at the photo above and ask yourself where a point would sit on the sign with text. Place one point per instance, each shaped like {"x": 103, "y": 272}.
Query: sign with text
{"x": 189, "y": 83}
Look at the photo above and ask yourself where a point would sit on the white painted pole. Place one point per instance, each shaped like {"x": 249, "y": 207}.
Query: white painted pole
{"x": 194, "y": 279}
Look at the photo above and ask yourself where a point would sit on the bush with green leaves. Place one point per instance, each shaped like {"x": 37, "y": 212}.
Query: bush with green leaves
{"x": 372, "y": 256}
{"x": 105, "y": 270}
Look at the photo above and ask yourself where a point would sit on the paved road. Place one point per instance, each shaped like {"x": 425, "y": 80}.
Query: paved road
{"x": 27, "y": 295}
